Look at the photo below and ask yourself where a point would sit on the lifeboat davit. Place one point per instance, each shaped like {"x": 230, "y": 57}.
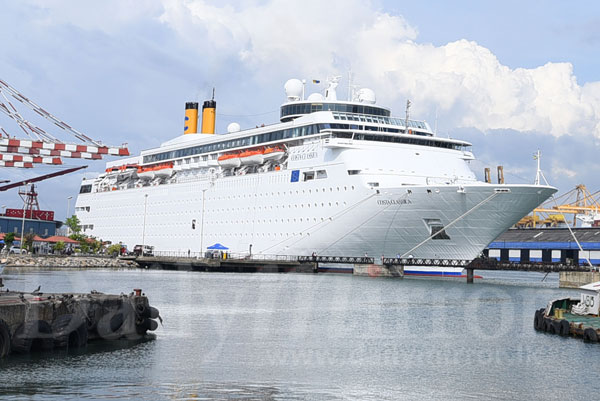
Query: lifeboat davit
{"x": 273, "y": 153}
{"x": 254, "y": 156}
{"x": 229, "y": 160}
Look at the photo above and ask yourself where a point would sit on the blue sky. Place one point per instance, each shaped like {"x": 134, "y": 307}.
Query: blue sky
{"x": 510, "y": 77}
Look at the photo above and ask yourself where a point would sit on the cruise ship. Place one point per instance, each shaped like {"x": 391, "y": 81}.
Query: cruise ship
{"x": 332, "y": 177}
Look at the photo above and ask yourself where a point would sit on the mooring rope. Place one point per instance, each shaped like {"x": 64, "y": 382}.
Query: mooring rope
{"x": 451, "y": 223}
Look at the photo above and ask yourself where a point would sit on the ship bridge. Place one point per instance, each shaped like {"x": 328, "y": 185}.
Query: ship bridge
{"x": 361, "y": 102}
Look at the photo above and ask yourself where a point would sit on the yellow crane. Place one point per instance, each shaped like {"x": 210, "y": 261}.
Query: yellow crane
{"x": 579, "y": 202}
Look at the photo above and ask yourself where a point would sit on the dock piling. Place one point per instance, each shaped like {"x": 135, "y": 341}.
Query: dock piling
{"x": 470, "y": 276}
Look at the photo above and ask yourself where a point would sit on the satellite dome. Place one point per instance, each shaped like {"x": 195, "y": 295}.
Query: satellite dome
{"x": 293, "y": 89}
{"x": 315, "y": 97}
{"x": 233, "y": 127}
{"x": 366, "y": 95}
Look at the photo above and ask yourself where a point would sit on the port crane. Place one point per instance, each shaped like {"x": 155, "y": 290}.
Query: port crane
{"x": 39, "y": 146}
{"x": 583, "y": 205}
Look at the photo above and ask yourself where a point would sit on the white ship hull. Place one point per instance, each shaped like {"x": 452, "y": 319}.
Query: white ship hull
{"x": 267, "y": 212}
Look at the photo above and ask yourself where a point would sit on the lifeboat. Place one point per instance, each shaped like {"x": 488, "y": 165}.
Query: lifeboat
{"x": 273, "y": 153}
{"x": 229, "y": 160}
{"x": 164, "y": 170}
{"x": 253, "y": 156}
{"x": 145, "y": 173}
{"x": 127, "y": 171}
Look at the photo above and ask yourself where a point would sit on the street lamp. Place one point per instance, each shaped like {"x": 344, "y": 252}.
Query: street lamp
{"x": 68, "y": 211}
{"x": 144, "y": 226}
{"x": 202, "y": 224}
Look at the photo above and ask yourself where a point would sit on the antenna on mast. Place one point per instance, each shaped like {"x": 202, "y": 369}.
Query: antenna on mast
{"x": 407, "y": 114}
{"x": 539, "y": 174}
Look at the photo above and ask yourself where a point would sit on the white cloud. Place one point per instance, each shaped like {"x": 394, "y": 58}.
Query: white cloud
{"x": 463, "y": 80}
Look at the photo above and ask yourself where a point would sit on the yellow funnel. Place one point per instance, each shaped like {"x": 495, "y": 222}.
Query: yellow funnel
{"x": 191, "y": 118}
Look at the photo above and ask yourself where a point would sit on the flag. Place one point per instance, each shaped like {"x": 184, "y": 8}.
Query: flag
{"x": 316, "y": 81}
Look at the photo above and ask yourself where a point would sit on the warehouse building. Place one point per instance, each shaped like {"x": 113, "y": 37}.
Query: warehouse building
{"x": 547, "y": 245}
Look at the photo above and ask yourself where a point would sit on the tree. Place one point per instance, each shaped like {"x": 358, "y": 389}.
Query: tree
{"x": 114, "y": 250}
{"x": 95, "y": 245}
{"x": 74, "y": 224}
{"x": 59, "y": 246}
{"x": 9, "y": 238}
{"x": 28, "y": 241}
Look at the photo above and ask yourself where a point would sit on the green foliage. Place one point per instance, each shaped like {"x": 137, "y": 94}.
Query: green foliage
{"x": 74, "y": 224}
{"x": 28, "y": 241}
{"x": 59, "y": 246}
{"x": 114, "y": 250}
{"x": 9, "y": 238}
{"x": 95, "y": 245}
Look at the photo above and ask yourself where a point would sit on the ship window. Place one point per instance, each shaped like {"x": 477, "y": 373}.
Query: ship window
{"x": 321, "y": 174}
{"x": 309, "y": 175}
{"x": 85, "y": 189}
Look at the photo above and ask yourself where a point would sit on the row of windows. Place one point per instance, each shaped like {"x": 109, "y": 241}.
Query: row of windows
{"x": 235, "y": 143}
{"x": 299, "y": 132}
{"x": 380, "y": 120}
{"x": 413, "y": 140}
{"x": 307, "y": 108}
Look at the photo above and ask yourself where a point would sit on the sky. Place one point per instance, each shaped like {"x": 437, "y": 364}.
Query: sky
{"x": 510, "y": 77}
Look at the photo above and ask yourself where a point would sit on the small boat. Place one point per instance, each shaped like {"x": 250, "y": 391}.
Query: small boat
{"x": 273, "y": 153}
{"x": 127, "y": 171}
{"x": 163, "y": 170}
{"x": 254, "y": 156}
{"x": 145, "y": 173}
{"x": 579, "y": 317}
{"x": 229, "y": 160}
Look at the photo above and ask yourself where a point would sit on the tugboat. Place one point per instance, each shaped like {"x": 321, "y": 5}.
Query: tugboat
{"x": 578, "y": 317}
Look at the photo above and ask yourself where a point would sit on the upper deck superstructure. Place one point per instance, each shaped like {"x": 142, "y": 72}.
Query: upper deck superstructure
{"x": 278, "y": 188}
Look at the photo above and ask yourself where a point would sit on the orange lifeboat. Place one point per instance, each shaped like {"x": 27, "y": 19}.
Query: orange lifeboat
{"x": 273, "y": 153}
{"x": 164, "y": 170}
{"x": 252, "y": 156}
{"x": 229, "y": 160}
{"x": 145, "y": 173}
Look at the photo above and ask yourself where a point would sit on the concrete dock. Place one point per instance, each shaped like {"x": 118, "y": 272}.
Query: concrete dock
{"x": 43, "y": 321}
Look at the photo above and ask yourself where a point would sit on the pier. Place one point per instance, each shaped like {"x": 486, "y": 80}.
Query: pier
{"x": 358, "y": 265}
{"x": 39, "y": 321}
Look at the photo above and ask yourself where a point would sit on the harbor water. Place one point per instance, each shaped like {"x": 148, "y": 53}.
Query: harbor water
{"x": 322, "y": 336}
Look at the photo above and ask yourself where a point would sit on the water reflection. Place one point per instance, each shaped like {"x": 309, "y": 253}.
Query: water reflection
{"x": 287, "y": 336}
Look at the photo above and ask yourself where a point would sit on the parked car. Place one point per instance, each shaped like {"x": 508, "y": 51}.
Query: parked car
{"x": 17, "y": 250}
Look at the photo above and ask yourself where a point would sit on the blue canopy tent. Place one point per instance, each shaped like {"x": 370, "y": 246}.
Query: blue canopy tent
{"x": 218, "y": 247}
